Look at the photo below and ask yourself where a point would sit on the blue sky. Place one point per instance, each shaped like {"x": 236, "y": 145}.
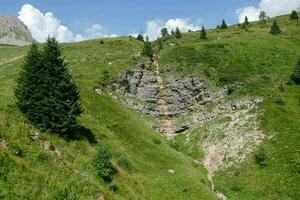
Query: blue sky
{"x": 130, "y": 16}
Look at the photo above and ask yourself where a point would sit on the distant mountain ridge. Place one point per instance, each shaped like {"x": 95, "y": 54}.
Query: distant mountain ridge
{"x": 14, "y": 32}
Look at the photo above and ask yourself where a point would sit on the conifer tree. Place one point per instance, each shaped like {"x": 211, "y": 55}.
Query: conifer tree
{"x": 140, "y": 37}
{"x": 177, "y": 33}
{"x": 203, "y": 35}
{"x": 294, "y": 15}
{"x": 27, "y": 91}
{"x": 172, "y": 33}
{"x": 164, "y": 32}
{"x": 147, "y": 51}
{"x": 160, "y": 45}
{"x": 275, "y": 29}
{"x": 53, "y": 105}
{"x": 223, "y": 25}
{"x": 296, "y": 75}
{"x": 246, "y": 22}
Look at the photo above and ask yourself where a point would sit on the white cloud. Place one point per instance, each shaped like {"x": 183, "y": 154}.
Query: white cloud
{"x": 154, "y": 26}
{"x": 271, "y": 7}
{"x": 97, "y": 31}
{"x": 44, "y": 25}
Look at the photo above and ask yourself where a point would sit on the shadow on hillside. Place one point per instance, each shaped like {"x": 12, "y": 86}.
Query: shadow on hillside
{"x": 83, "y": 133}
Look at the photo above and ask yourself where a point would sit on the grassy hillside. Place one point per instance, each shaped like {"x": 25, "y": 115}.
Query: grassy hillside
{"x": 30, "y": 169}
{"x": 35, "y": 165}
{"x": 253, "y": 63}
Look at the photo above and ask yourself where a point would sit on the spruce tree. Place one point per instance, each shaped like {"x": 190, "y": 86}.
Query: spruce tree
{"x": 296, "y": 75}
{"x": 53, "y": 105}
{"x": 147, "y": 51}
{"x": 160, "y": 45}
{"x": 172, "y": 33}
{"x": 177, "y": 33}
{"x": 223, "y": 25}
{"x": 140, "y": 37}
{"x": 203, "y": 35}
{"x": 275, "y": 29}
{"x": 246, "y": 22}
{"x": 28, "y": 90}
{"x": 294, "y": 15}
{"x": 164, "y": 32}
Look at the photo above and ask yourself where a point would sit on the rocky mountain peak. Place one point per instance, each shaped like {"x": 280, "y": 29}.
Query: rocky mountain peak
{"x": 14, "y": 32}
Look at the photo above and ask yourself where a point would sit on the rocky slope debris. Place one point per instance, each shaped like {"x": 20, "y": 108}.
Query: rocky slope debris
{"x": 14, "y": 32}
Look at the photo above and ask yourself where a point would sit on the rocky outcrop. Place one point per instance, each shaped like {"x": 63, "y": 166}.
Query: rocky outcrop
{"x": 14, "y": 32}
{"x": 139, "y": 89}
{"x": 170, "y": 96}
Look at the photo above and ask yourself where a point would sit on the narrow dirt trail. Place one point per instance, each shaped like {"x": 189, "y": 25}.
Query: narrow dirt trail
{"x": 11, "y": 60}
{"x": 167, "y": 124}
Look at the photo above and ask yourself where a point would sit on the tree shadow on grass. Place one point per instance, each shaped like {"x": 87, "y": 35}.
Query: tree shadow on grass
{"x": 83, "y": 133}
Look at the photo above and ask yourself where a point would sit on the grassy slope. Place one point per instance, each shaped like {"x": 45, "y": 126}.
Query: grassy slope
{"x": 261, "y": 62}
{"x": 40, "y": 173}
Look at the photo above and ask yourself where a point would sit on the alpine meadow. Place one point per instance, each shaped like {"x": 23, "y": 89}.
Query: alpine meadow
{"x": 196, "y": 113}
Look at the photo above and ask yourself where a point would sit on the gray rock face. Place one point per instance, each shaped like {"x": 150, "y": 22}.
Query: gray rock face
{"x": 14, "y": 32}
{"x": 182, "y": 94}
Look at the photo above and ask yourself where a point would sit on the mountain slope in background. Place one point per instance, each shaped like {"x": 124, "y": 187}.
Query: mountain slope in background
{"x": 14, "y": 32}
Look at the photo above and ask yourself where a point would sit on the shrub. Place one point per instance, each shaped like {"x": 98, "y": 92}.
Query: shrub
{"x": 224, "y": 80}
{"x": 203, "y": 35}
{"x": 280, "y": 102}
{"x": 294, "y": 15}
{"x": 125, "y": 162}
{"x": 296, "y": 76}
{"x": 156, "y": 141}
{"x": 275, "y": 29}
{"x": 223, "y": 25}
{"x": 103, "y": 165}
{"x": 177, "y": 33}
{"x": 261, "y": 158}
{"x": 101, "y": 42}
{"x": 147, "y": 51}
{"x": 140, "y": 38}
{"x": 114, "y": 186}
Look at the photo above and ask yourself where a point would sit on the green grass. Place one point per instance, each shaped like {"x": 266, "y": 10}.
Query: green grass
{"x": 257, "y": 60}
{"x": 41, "y": 173}
{"x": 260, "y": 63}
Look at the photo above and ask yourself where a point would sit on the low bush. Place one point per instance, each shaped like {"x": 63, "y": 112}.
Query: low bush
{"x": 156, "y": 141}
{"x": 102, "y": 164}
{"x": 114, "y": 186}
{"x": 261, "y": 158}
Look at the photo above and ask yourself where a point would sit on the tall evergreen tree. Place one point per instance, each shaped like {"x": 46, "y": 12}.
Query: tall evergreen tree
{"x": 275, "y": 29}
{"x": 203, "y": 35}
{"x": 164, "y": 32}
{"x": 296, "y": 75}
{"x": 140, "y": 37}
{"x": 294, "y": 15}
{"x": 28, "y": 91}
{"x": 223, "y": 25}
{"x": 53, "y": 105}
{"x": 177, "y": 33}
{"x": 147, "y": 51}
{"x": 262, "y": 16}
{"x": 246, "y": 22}
{"x": 160, "y": 45}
